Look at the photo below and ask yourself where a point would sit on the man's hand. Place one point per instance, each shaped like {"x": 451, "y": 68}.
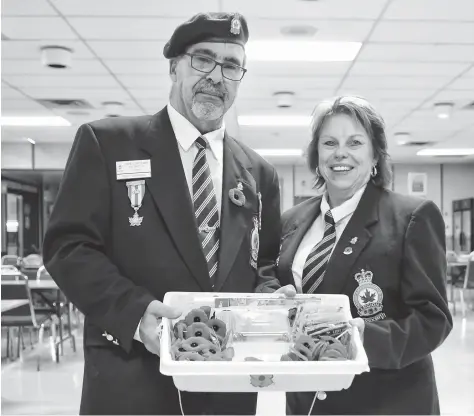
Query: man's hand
{"x": 359, "y": 323}
{"x": 288, "y": 291}
{"x": 150, "y": 324}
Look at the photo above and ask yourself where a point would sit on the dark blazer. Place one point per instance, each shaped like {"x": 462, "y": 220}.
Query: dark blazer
{"x": 112, "y": 271}
{"x": 401, "y": 240}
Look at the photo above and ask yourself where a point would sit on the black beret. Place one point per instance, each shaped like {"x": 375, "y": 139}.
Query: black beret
{"x": 230, "y": 27}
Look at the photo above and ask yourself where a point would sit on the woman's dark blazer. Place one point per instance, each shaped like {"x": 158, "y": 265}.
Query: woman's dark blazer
{"x": 395, "y": 246}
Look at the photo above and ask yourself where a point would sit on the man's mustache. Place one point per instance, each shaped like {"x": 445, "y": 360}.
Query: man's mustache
{"x": 212, "y": 90}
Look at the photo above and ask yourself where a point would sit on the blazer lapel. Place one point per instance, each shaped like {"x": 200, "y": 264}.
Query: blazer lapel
{"x": 235, "y": 220}
{"x": 294, "y": 235}
{"x": 353, "y": 240}
{"x": 170, "y": 192}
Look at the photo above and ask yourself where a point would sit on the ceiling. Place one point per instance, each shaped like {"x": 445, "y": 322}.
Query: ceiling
{"x": 414, "y": 53}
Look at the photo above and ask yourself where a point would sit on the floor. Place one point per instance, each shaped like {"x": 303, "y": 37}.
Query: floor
{"x": 56, "y": 388}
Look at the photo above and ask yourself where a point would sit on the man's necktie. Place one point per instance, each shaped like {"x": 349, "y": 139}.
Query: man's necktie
{"x": 206, "y": 209}
{"x": 318, "y": 258}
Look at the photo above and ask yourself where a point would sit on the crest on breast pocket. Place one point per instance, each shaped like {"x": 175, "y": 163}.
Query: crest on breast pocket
{"x": 368, "y": 297}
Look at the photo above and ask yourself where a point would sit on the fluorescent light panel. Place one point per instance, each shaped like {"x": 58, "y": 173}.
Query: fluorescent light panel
{"x": 305, "y": 51}
{"x": 279, "y": 152}
{"x": 446, "y": 152}
{"x": 290, "y": 121}
{"x": 35, "y": 121}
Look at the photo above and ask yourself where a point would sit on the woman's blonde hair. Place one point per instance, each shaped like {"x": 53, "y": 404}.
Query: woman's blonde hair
{"x": 360, "y": 110}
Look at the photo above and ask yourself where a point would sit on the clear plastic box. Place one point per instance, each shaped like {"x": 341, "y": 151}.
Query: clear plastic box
{"x": 261, "y": 338}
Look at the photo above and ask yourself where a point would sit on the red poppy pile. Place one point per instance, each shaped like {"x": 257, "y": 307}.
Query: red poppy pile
{"x": 319, "y": 341}
{"x": 200, "y": 337}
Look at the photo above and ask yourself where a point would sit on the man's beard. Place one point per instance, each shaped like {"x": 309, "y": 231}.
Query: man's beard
{"x": 208, "y": 110}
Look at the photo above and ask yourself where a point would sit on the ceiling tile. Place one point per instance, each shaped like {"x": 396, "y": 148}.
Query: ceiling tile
{"x": 430, "y": 10}
{"x": 424, "y": 32}
{"x": 156, "y": 67}
{"x": 176, "y": 8}
{"x": 124, "y": 28}
{"x": 128, "y": 50}
{"x": 361, "y": 68}
{"x": 290, "y": 9}
{"x": 371, "y": 82}
{"x": 401, "y": 52}
{"x": 30, "y": 50}
{"x": 27, "y": 8}
{"x": 296, "y": 69}
{"x": 36, "y": 28}
{"x": 327, "y": 30}
{"x": 61, "y": 81}
{"x": 145, "y": 81}
{"x": 35, "y": 67}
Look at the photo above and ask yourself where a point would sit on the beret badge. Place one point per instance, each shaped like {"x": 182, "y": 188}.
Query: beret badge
{"x": 235, "y": 26}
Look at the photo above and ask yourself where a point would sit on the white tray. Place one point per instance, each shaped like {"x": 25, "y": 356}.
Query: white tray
{"x": 254, "y": 376}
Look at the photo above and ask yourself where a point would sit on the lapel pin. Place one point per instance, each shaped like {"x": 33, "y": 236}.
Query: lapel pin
{"x": 354, "y": 240}
{"x": 237, "y": 196}
{"x": 348, "y": 250}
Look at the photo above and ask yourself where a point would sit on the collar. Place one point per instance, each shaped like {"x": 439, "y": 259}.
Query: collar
{"x": 186, "y": 134}
{"x": 345, "y": 209}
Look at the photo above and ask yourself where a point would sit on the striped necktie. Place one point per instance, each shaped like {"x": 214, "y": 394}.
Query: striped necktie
{"x": 205, "y": 208}
{"x": 318, "y": 258}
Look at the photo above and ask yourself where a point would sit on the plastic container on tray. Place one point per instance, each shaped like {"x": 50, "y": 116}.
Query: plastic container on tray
{"x": 258, "y": 337}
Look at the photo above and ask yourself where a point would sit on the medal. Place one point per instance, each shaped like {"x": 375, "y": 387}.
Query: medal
{"x": 259, "y": 211}
{"x": 136, "y": 192}
{"x": 254, "y": 244}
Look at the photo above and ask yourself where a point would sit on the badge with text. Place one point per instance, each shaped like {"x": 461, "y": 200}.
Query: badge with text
{"x": 133, "y": 169}
{"x": 136, "y": 192}
{"x": 368, "y": 297}
{"x": 254, "y": 244}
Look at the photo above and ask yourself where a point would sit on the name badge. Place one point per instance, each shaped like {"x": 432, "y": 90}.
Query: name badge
{"x": 133, "y": 169}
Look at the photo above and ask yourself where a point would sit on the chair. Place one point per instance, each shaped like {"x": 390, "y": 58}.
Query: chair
{"x": 465, "y": 284}
{"x": 10, "y": 260}
{"x": 25, "y": 316}
{"x": 10, "y": 273}
{"x": 32, "y": 261}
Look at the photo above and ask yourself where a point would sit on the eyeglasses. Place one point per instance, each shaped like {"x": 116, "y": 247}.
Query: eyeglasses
{"x": 206, "y": 64}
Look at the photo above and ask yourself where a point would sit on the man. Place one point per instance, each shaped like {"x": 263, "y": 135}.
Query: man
{"x": 162, "y": 203}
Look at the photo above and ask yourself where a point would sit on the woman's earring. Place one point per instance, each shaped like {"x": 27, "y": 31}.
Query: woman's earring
{"x": 316, "y": 172}
{"x": 373, "y": 172}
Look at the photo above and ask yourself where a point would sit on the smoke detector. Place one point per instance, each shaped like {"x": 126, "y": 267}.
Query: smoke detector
{"x": 284, "y": 99}
{"x": 113, "y": 108}
{"x": 58, "y": 57}
{"x": 299, "y": 30}
{"x": 443, "y": 110}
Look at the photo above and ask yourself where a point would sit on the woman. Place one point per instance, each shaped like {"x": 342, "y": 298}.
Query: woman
{"x": 384, "y": 250}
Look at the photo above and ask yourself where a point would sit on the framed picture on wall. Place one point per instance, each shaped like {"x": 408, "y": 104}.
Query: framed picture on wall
{"x": 417, "y": 183}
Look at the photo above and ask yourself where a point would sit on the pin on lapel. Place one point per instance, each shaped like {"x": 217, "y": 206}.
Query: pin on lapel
{"x": 237, "y": 196}
{"x": 347, "y": 251}
{"x": 354, "y": 240}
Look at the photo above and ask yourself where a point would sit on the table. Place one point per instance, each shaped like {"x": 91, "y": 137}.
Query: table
{"x": 9, "y": 304}
{"x": 42, "y": 285}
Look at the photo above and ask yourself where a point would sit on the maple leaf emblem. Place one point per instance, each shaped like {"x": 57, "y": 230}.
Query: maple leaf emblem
{"x": 367, "y": 296}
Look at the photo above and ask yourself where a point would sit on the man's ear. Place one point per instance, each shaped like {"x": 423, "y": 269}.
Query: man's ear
{"x": 173, "y": 67}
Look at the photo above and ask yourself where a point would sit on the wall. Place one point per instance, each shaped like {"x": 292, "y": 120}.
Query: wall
{"x": 445, "y": 183}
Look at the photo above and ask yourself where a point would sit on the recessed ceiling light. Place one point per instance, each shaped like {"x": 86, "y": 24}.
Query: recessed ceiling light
{"x": 289, "y": 121}
{"x": 402, "y": 138}
{"x": 446, "y": 152}
{"x": 305, "y": 51}
{"x": 31, "y": 140}
{"x": 55, "y": 121}
{"x": 279, "y": 152}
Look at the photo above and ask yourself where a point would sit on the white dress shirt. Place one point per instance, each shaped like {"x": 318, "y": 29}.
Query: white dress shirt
{"x": 341, "y": 214}
{"x": 186, "y": 135}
